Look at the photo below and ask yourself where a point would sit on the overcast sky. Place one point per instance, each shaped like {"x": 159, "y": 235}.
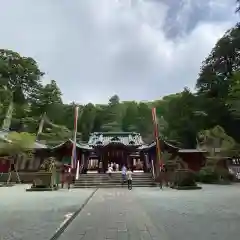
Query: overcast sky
{"x": 138, "y": 49}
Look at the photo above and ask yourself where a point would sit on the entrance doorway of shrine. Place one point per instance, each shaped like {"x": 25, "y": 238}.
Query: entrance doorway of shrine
{"x": 114, "y": 153}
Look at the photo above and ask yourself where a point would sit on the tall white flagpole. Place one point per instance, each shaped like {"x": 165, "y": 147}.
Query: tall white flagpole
{"x": 77, "y": 173}
{"x": 74, "y": 153}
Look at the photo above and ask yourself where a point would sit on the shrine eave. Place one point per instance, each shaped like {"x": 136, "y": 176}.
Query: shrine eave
{"x": 191, "y": 151}
{"x": 152, "y": 145}
{"x": 114, "y": 144}
{"x": 38, "y": 145}
{"x": 70, "y": 141}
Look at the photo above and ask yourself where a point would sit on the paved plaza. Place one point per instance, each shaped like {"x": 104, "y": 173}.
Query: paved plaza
{"x": 143, "y": 213}
{"x": 36, "y": 215}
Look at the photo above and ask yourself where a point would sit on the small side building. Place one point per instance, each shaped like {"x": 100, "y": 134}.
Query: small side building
{"x": 63, "y": 152}
{"x": 194, "y": 158}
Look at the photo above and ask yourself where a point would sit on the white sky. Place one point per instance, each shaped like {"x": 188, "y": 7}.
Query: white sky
{"x": 138, "y": 49}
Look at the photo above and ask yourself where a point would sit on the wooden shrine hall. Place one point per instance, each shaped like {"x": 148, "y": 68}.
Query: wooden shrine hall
{"x": 123, "y": 148}
{"x": 104, "y": 148}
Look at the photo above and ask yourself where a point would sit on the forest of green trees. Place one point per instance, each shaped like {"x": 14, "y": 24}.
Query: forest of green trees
{"x": 181, "y": 116}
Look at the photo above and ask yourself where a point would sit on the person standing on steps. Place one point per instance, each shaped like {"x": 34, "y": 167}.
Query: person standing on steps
{"x": 69, "y": 177}
{"x": 110, "y": 170}
{"x": 129, "y": 178}
{"x": 124, "y": 170}
{"x": 117, "y": 167}
{"x": 63, "y": 175}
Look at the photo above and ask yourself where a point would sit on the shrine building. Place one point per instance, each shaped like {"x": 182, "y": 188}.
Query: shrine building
{"x": 103, "y": 148}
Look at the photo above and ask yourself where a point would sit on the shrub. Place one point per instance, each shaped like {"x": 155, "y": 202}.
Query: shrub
{"x": 208, "y": 175}
{"x": 184, "y": 178}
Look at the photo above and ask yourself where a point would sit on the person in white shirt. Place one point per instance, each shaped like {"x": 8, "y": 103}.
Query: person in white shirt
{"x": 129, "y": 178}
{"x": 110, "y": 169}
{"x": 124, "y": 170}
{"x": 117, "y": 167}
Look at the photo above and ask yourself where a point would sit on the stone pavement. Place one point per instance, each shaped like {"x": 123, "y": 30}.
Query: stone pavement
{"x": 212, "y": 213}
{"x": 36, "y": 215}
{"x": 113, "y": 214}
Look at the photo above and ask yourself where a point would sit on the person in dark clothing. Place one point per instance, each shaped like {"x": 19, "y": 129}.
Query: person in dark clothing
{"x": 62, "y": 176}
{"x": 129, "y": 178}
{"x": 114, "y": 167}
{"x": 69, "y": 178}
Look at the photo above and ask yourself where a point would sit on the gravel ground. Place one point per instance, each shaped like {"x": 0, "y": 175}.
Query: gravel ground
{"x": 36, "y": 215}
{"x": 141, "y": 214}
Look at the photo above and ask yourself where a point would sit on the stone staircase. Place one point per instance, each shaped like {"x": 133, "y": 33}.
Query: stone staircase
{"x": 101, "y": 180}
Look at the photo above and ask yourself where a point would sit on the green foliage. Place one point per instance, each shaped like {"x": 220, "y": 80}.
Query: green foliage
{"x": 212, "y": 141}
{"x": 166, "y": 157}
{"x": 216, "y": 138}
{"x": 20, "y": 75}
{"x": 18, "y": 143}
{"x": 113, "y": 114}
{"x": 184, "y": 178}
{"x": 208, "y": 175}
{"x": 238, "y": 6}
{"x": 217, "y": 175}
{"x": 233, "y": 99}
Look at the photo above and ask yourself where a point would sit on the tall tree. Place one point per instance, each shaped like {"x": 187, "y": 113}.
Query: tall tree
{"x": 113, "y": 115}
{"x": 46, "y": 99}
{"x": 87, "y": 121}
{"x": 182, "y": 122}
{"x": 20, "y": 75}
{"x": 238, "y": 6}
{"x": 144, "y": 122}
{"x": 99, "y": 117}
{"x": 215, "y": 81}
{"x": 233, "y": 100}
{"x": 218, "y": 67}
{"x": 130, "y": 118}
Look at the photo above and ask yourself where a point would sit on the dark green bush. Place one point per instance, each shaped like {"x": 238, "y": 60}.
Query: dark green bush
{"x": 231, "y": 177}
{"x": 184, "y": 178}
{"x": 208, "y": 175}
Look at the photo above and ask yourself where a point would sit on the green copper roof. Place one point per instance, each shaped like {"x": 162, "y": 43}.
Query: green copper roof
{"x": 126, "y": 138}
{"x": 70, "y": 141}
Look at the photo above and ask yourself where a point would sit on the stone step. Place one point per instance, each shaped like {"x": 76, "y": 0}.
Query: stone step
{"x": 112, "y": 179}
{"x": 111, "y": 183}
{"x": 109, "y": 179}
{"x": 115, "y": 174}
{"x": 113, "y": 186}
{"x": 102, "y": 180}
{"x": 115, "y": 179}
